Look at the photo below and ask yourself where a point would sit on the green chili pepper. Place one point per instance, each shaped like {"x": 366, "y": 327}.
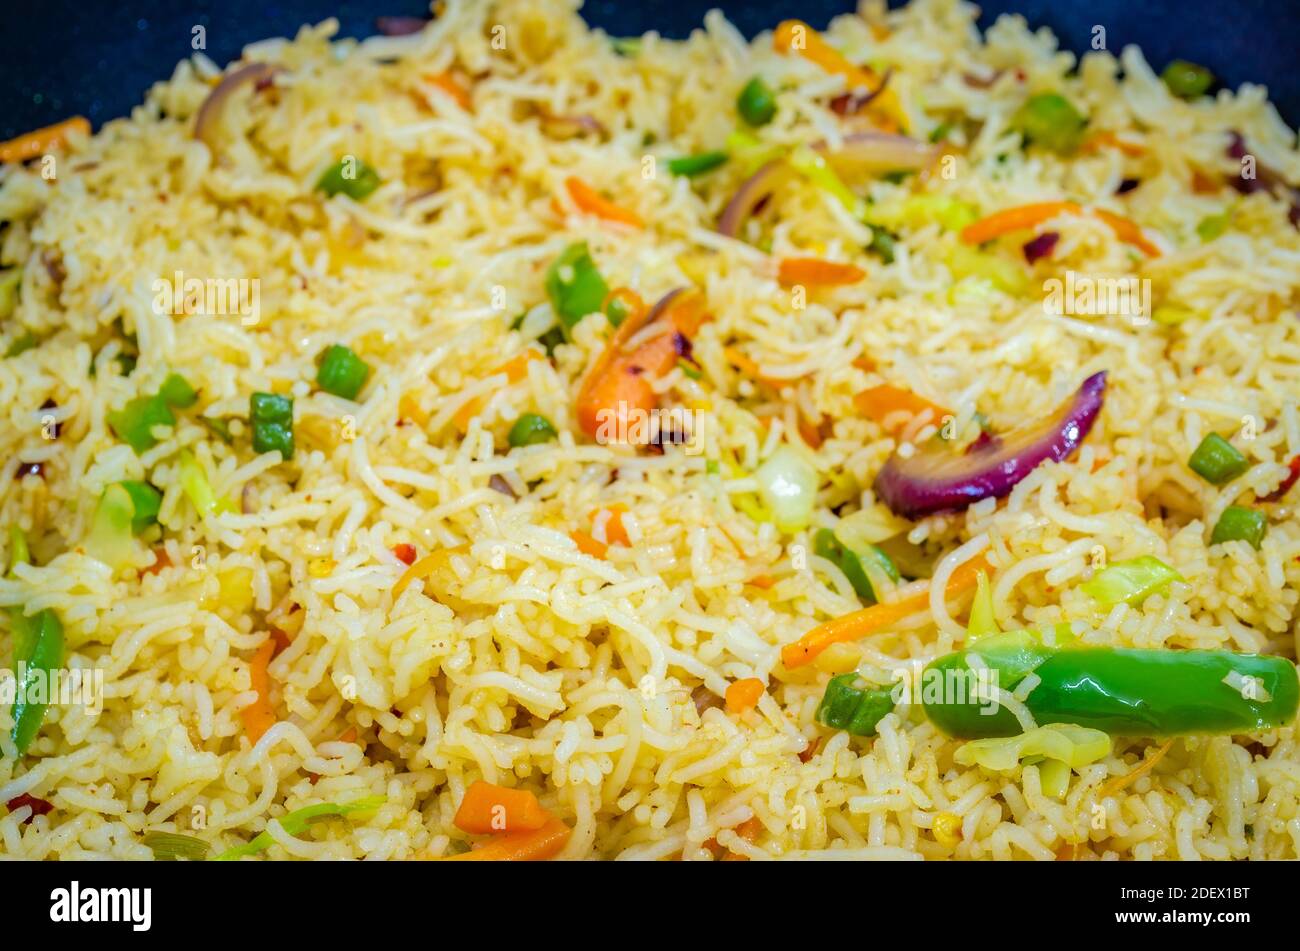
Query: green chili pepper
{"x": 756, "y": 102}
{"x": 1187, "y": 80}
{"x": 1116, "y": 690}
{"x": 271, "y": 416}
{"x": 38, "y": 652}
{"x": 1216, "y": 460}
{"x": 296, "y": 822}
{"x": 689, "y": 165}
{"x": 531, "y": 429}
{"x": 1238, "y": 523}
{"x": 351, "y": 176}
{"x": 176, "y": 391}
{"x": 574, "y": 286}
{"x": 849, "y": 704}
{"x": 1120, "y": 691}
{"x": 134, "y": 422}
{"x": 854, "y": 564}
{"x": 145, "y": 500}
{"x": 1050, "y": 120}
{"x": 342, "y": 372}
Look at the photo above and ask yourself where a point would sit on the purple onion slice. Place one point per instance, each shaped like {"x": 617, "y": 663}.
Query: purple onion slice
{"x": 867, "y": 152}
{"x": 938, "y": 480}
{"x": 749, "y": 196}
{"x": 400, "y": 26}
{"x": 205, "y": 122}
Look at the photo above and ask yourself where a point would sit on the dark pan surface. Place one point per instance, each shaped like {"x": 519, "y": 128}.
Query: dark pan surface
{"x": 96, "y": 58}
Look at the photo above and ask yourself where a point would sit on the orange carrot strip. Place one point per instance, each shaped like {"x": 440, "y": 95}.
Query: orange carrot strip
{"x": 1119, "y": 783}
{"x": 1018, "y": 218}
{"x": 762, "y": 581}
{"x": 40, "y": 141}
{"x": 258, "y": 716}
{"x": 885, "y": 402}
{"x": 349, "y": 735}
{"x": 621, "y": 378}
{"x": 743, "y": 694}
{"x": 515, "y": 369}
{"x": 795, "y": 36}
{"x": 1023, "y": 217}
{"x": 594, "y": 203}
{"x": 425, "y": 567}
{"x": 448, "y": 84}
{"x": 748, "y": 830}
{"x": 1107, "y": 139}
{"x": 850, "y": 627}
{"x": 817, "y": 272}
{"x": 489, "y": 809}
{"x": 409, "y": 408}
{"x": 535, "y": 846}
{"x": 588, "y": 545}
{"x": 746, "y": 365}
{"x": 1128, "y": 231}
{"x": 630, "y": 299}
{"x": 615, "y": 530}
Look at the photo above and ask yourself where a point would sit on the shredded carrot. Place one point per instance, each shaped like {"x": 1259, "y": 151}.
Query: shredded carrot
{"x": 810, "y": 434}
{"x": 258, "y": 716}
{"x": 816, "y": 272}
{"x": 762, "y": 581}
{"x": 615, "y": 530}
{"x": 535, "y": 846}
{"x": 1018, "y": 218}
{"x": 588, "y": 545}
{"x": 1108, "y": 139}
{"x": 1023, "y": 217}
{"x": 349, "y": 735}
{"x": 515, "y": 369}
{"x": 743, "y": 694}
{"x": 594, "y": 203}
{"x": 41, "y": 141}
{"x": 619, "y": 380}
{"x": 630, "y": 299}
{"x": 894, "y": 407}
{"x": 746, "y": 365}
{"x": 490, "y": 809}
{"x": 865, "y": 363}
{"x": 1128, "y": 231}
{"x": 405, "y": 553}
{"x": 425, "y": 567}
{"x": 161, "y": 560}
{"x": 859, "y": 624}
{"x": 795, "y": 36}
{"x": 748, "y": 830}
{"x": 448, "y": 84}
{"x": 1119, "y": 783}
{"x": 280, "y": 638}
{"x": 1203, "y": 184}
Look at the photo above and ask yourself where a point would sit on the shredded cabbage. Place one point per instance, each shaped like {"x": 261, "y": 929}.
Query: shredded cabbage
{"x": 1130, "y": 581}
{"x": 1073, "y": 745}
{"x": 982, "y": 622}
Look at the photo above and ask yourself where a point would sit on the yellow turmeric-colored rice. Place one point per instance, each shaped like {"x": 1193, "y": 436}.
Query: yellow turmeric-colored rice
{"x": 598, "y": 681}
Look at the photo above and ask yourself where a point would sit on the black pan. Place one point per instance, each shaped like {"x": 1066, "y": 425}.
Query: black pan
{"x": 96, "y": 58}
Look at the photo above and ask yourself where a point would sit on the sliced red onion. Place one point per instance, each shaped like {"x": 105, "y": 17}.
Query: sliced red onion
{"x": 209, "y": 114}
{"x": 749, "y": 196}
{"x": 400, "y": 26}
{"x": 937, "y": 480}
{"x": 982, "y": 82}
{"x": 1041, "y": 246}
{"x": 567, "y": 127}
{"x": 1266, "y": 179}
{"x": 865, "y": 152}
{"x": 851, "y": 103}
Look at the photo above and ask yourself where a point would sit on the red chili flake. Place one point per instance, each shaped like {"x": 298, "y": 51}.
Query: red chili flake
{"x": 810, "y": 750}
{"x": 1285, "y": 487}
{"x": 39, "y": 806}
{"x": 405, "y": 553}
{"x": 161, "y": 561}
